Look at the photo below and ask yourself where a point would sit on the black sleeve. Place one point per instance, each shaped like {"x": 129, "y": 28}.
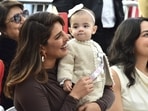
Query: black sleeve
{"x": 63, "y": 5}
{"x": 107, "y": 99}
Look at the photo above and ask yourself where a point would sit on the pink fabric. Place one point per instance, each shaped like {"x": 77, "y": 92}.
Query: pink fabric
{"x": 65, "y": 18}
{"x": 1, "y": 74}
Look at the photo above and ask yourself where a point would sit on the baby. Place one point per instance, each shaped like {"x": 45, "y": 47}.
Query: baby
{"x": 85, "y": 57}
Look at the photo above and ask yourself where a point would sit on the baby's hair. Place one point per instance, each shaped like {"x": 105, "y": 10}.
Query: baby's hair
{"x": 84, "y": 9}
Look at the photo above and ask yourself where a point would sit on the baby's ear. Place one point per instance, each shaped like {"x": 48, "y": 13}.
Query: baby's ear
{"x": 94, "y": 29}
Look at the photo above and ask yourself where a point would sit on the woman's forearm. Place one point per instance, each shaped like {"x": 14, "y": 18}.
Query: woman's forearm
{"x": 107, "y": 99}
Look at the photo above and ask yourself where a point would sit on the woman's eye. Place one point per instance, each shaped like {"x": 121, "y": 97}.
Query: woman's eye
{"x": 145, "y": 35}
{"x": 58, "y": 35}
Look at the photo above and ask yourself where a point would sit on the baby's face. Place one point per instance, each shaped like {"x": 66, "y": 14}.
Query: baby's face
{"x": 82, "y": 26}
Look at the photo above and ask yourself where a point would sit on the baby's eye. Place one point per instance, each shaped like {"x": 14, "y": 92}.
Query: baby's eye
{"x": 75, "y": 27}
{"x": 86, "y": 26}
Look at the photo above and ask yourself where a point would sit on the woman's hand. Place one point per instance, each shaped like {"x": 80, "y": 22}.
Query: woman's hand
{"x": 89, "y": 107}
{"x": 82, "y": 88}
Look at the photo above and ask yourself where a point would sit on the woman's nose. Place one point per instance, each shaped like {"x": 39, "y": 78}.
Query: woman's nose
{"x": 66, "y": 36}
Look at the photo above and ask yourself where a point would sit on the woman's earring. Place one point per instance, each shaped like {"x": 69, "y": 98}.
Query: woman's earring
{"x": 43, "y": 58}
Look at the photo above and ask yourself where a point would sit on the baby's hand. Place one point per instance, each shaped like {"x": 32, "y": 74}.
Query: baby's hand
{"x": 67, "y": 85}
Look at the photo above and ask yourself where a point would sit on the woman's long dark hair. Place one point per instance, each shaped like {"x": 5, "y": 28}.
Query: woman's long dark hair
{"x": 121, "y": 50}
{"x": 35, "y": 32}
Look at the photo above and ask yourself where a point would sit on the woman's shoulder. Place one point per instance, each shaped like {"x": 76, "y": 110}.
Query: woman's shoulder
{"x": 28, "y": 85}
{"x": 117, "y": 68}
{"x": 117, "y": 72}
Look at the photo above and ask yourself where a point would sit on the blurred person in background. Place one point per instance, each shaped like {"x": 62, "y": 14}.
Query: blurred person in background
{"x": 12, "y": 17}
{"x": 63, "y": 5}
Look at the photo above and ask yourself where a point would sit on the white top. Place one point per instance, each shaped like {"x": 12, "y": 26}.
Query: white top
{"x": 1, "y": 108}
{"x": 108, "y": 15}
{"x": 134, "y": 98}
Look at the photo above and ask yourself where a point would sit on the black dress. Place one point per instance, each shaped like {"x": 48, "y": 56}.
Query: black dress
{"x": 7, "y": 52}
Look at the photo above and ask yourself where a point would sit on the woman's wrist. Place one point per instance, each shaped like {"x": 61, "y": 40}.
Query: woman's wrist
{"x": 75, "y": 96}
